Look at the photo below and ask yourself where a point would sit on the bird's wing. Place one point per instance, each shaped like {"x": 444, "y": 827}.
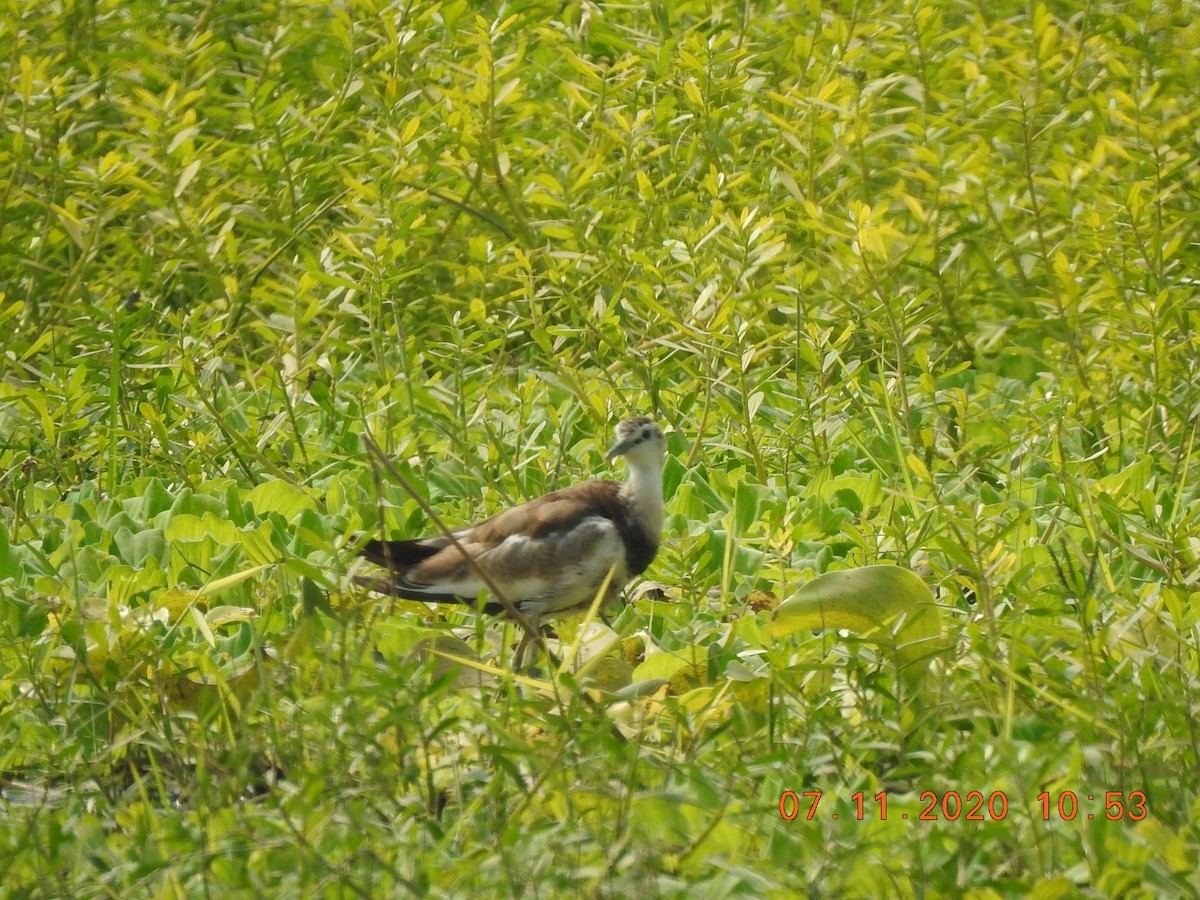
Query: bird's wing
{"x": 546, "y": 551}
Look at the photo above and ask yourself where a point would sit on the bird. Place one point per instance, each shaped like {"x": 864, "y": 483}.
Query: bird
{"x": 549, "y": 557}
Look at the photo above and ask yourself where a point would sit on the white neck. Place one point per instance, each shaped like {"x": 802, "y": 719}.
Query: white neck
{"x": 644, "y": 489}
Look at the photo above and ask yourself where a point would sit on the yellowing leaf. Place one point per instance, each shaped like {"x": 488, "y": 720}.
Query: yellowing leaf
{"x": 660, "y": 665}
{"x": 645, "y": 186}
{"x": 224, "y": 615}
{"x": 214, "y": 587}
{"x": 279, "y": 496}
{"x": 176, "y": 601}
{"x": 917, "y": 465}
{"x": 186, "y": 176}
{"x": 202, "y": 624}
{"x": 889, "y": 605}
{"x": 71, "y": 224}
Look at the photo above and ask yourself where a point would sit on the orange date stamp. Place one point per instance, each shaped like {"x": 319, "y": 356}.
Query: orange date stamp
{"x": 975, "y": 806}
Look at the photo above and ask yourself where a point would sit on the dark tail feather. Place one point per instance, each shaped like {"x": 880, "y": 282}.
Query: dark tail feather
{"x": 392, "y": 587}
{"x": 397, "y": 554}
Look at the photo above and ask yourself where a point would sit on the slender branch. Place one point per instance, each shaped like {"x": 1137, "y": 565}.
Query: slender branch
{"x": 517, "y": 616}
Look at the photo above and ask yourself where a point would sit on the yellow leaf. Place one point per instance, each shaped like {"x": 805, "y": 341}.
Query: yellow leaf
{"x": 71, "y": 224}
{"x": 202, "y": 624}
{"x": 645, "y": 187}
{"x": 214, "y": 587}
{"x": 917, "y": 466}
{"x": 914, "y": 206}
{"x": 186, "y": 176}
{"x": 889, "y": 605}
{"x": 223, "y": 615}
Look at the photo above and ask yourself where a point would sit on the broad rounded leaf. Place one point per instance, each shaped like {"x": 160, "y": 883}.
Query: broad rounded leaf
{"x": 889, "y": 605}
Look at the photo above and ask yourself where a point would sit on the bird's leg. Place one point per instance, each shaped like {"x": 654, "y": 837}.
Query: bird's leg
{"x": 532, "y": 638}
{"x": 527, "y": 638}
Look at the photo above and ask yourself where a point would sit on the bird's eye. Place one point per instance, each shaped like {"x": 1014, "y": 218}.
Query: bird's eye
{"x": 645, "y": 434}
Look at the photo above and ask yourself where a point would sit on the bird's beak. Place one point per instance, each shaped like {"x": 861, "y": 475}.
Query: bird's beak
{"x": 619, "y": 449}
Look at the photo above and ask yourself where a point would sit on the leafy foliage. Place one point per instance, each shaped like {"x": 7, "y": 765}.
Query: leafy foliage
{"x": 913, "y": 283}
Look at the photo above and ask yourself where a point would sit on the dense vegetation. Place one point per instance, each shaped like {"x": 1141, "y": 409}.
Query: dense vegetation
{"x": 910, "y": 282}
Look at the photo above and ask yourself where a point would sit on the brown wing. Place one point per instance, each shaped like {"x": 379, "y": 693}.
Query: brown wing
{"x": 535, "y": 551}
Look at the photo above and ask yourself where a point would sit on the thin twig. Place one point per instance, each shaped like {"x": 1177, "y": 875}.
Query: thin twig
{"x": 381, "y": 458}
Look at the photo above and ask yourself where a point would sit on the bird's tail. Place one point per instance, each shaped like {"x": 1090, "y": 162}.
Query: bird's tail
{"x": 392, "y": 586}
{"x": 398, "y": 555}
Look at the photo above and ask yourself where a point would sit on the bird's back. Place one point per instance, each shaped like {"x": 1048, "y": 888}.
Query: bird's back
{"x": 549, "y": 556}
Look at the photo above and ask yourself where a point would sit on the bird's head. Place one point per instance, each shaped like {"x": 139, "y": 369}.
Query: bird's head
{"x": 640, "y": 441}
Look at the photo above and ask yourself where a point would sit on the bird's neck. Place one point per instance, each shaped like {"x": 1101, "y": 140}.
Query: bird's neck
{"x": 643, "y": 490}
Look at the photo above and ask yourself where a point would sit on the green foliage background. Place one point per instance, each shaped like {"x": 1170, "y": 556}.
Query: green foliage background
{"x": 910, "y": 281}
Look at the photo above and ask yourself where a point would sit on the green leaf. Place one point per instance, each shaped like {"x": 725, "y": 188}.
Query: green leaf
{"x": 746, "y": 497}
{"x": 281, "y": 497}
{"x": 889, "y": 605}
{"x": 8, "y": 560}
{"x": 136, "y": 548}
{"x": 222, "y": 584}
